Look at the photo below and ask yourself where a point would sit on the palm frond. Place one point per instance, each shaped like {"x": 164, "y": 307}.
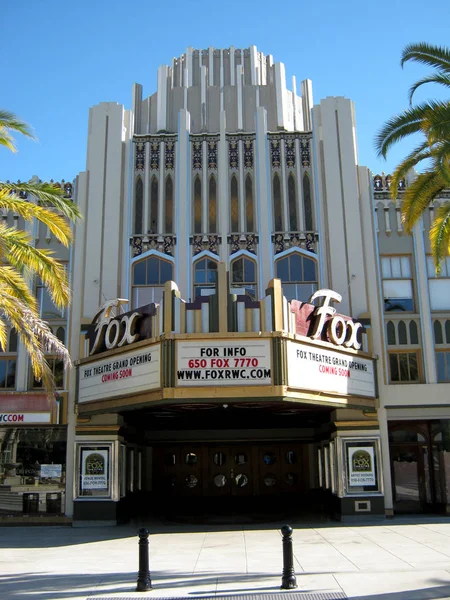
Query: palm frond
{"x": 440, "y": 235}
{"x": 418, "y": 196}
{"x": 408, "y": 122}
{"x": 416, "y": 156}
{"x": 437, "y": 78}
{"x": 9, "y": 122}
{"x": 12, "y": 282}
{"x": 48, "y": 194}
{"x": 57, "y": 224}
{"x": 427, "y": 54}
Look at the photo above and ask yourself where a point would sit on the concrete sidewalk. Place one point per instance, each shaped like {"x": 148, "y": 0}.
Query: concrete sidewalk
{"x": 399, "y": 559}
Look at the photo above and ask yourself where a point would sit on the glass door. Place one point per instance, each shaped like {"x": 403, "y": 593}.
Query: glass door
{"x": 411, "y": 478}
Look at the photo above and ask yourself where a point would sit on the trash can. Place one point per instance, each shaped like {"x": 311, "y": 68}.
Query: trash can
{"x": 53, "y": 503}
{"x": 30, "y": 503}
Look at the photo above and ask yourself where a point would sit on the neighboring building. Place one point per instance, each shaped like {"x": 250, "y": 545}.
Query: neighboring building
{"x": 213, "y": 210}
{"x": 33, "y": 427}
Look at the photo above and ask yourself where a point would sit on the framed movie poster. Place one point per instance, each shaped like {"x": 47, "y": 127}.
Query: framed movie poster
{"x": 362, "y": 459}
{"x": 95, "y": 471}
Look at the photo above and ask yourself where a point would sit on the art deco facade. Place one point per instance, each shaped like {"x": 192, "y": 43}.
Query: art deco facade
{"x": 248, "y": 195}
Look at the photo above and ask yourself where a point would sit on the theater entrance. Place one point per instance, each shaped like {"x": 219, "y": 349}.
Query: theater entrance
{"x": 230, "y": 478}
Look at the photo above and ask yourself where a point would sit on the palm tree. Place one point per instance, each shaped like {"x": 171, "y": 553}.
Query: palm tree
{"x": 431, "y": 120}
{"x": 20, "y": 260}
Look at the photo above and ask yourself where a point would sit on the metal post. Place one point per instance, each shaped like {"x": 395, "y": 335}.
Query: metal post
{"x": 288, "y": 580}
{"x": 144, "y": 583}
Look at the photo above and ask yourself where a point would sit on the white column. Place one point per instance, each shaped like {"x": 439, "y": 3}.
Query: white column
{"x": 285, "y": 211}
{"x": 241, "y": 202}
{"x": 183, "y": 205}
{"x": 222, "y": 189}
{"x": 423, "y": 299}
{"x": 205, "y": 203}
{"x": 161, "y": 190}
{"x": 146, "y": 198}
{"x": 189, "y": 52}
{"x": 211, "y": 65}
{"x": 263, "y": 201}
{"x": 221, "y": 81}
{"x": 239, "y": 78}
{"x": 299, "y": 186}
{"x": 280, "y": 89}
{"x": 161, "y": 116}
{"x": 203, "y": 96}
{"x": 253, "y": 65}
{"x": 232, "y": 73}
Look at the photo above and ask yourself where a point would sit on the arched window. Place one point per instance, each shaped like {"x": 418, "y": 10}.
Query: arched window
{"x": 293, "y": 219}
{"x": 402, "y": 337}
{"x": 61, "y": 334}
{"x": 438, "y": 339}
{"x": 8, "y": 362}
{"x": 212, "y": 205}
{"x": 307, "y": 204}
{"x": 154, "y": 205}
{"x": 243, "y": 276}
{"x": 205, "y": 277}
{"x": 169, "y": 205}
{"x": 234, "y": 205}
{"x": 413, "y": 333}
{"x": 277, "y": 208}
{"x": 148, "y": 278}
{"x": 447, "y": 331}
{"x": 249, "y": 210}
{"x": 197, "y": 205}
{"x": 298, "y": 274}
{"x": 391, "y": 337}
{"x": 138, "y": 207}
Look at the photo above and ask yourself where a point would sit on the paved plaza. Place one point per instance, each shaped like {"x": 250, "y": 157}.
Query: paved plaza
{"x": 399, "y": 559}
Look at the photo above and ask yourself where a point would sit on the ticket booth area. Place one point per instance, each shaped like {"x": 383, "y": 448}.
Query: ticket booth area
{"x": 232, "y": 405}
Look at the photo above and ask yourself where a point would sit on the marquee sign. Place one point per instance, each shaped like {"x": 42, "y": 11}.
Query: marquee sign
{"x": 321, "y": 370}
{"x": 323, "y": 323}
{"x": 109, "y": 330}
{"x": 222, "y": 363}
{"x": 128, "y": 373}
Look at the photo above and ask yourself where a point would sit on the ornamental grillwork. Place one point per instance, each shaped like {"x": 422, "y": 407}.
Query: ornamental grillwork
{"x": 248, "y": 153}
{"x": 382, "y": 183}
{"x": 206, "y": 242}
{"x": 275, "y": 152}
{"x": 304, "y": 153}
{"x": 154, "y": 156}
{"x": 169, "y": 155}
{"x": 233, "y": 153}
{"x": 161, "y": 243}
{"x": 289, "y": 147}
{"x": 212, "y": 155}
{"x": 140, "y": 157}
{"x": 197, "y": 155}
{"x": 247, "y": 241}
{"x": 306, "y": 241}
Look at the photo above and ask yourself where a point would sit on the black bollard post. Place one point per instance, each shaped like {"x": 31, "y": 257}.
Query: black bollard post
{"x": 144, "y": 583}
{"x": 288, "y": 580}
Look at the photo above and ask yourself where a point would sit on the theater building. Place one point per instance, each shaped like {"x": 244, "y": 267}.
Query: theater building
{"x": 217, "y": 207}
{"x": 253, "y": 331}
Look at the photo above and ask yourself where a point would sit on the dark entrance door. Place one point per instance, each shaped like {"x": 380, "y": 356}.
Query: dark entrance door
{"x": 411, "y": 478}
{"x": 235, "y": 475}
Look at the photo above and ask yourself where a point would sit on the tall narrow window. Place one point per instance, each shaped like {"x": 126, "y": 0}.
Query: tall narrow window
{"x": 169, "y": 205}
{"x": 307, "y": 204}
{"x": 293, "y": 219}
{"x": 234, "y": 205}
{"x": 277, "y": 208}
{"x": 243, "y": 277}
{"x": 154, "y": 205}
{"x": 197, "y": 205}
{"x": 249, "y": 214}
{"x": 138, "y": 206}
{"x": 205, "y": 277}
{"x": 298, "y": 276}
{"x": 212, "y": 205}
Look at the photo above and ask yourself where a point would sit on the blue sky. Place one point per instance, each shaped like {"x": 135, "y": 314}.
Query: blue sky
{"x": 59, "y": 58}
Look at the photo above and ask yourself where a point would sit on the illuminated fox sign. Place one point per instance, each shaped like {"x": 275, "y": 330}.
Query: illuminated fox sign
{"x": 322, "y": 322}
{"x": 343, "y": 332}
